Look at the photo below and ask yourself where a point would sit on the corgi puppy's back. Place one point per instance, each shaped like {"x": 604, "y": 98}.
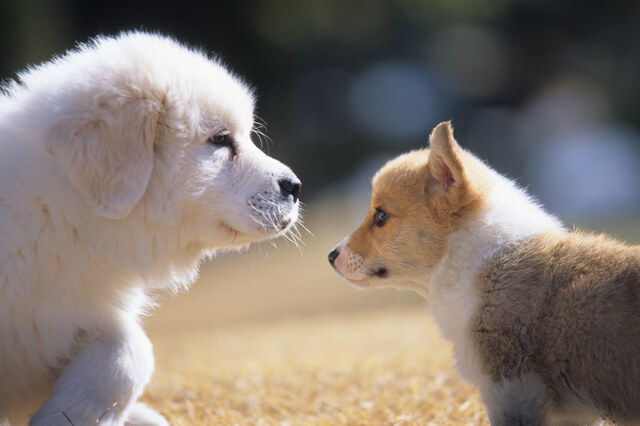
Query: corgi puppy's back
{"x": 545, "y": 322}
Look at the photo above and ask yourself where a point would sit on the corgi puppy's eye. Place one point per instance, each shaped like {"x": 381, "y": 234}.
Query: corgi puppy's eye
{"x": 380, "y": 217}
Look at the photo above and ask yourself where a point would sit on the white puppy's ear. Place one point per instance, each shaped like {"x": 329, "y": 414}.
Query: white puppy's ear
{"x": 107, "y": 151}
{"x": 445, "y": 163}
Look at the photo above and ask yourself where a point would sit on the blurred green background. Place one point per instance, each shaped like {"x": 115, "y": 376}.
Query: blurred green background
{"x": 547, "y": 91}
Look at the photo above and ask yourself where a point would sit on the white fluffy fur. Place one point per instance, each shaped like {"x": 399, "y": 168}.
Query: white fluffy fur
{"x": 109, "y": 188}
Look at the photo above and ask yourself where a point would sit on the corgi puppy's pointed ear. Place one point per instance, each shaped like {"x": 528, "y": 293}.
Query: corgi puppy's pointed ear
{"x": 445, "y": 162}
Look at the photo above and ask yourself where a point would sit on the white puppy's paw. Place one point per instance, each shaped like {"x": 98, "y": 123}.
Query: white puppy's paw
{"x": 142, "y": 415}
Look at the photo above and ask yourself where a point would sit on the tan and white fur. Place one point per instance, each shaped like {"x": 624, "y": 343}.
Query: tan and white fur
{"x": 544, "y": 321}
{"x": 123, "y": 164}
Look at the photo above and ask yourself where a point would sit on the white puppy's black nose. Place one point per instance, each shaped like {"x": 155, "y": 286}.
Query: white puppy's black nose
{"x": 290, "y": 186}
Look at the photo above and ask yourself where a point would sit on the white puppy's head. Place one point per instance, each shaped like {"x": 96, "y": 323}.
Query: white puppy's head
{"x": 149, "y": 129}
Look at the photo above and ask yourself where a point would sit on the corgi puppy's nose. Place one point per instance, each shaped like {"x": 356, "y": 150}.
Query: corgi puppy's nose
{"x": 290, "y": 186}
{"x": 333, "y": 255}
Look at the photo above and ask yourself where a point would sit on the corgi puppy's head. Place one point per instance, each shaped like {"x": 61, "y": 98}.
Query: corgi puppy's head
{"x": 417, "y": 200}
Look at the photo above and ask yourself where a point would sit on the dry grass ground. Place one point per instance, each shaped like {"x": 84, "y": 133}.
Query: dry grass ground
{"x": 376, "y": 368}
{"x": 274, "y": 337}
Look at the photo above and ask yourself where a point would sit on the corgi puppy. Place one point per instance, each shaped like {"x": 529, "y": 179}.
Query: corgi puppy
{"x": 544, "y": 321}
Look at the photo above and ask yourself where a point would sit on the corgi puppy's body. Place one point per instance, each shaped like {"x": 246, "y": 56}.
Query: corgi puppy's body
{"x": 545, "y": 322}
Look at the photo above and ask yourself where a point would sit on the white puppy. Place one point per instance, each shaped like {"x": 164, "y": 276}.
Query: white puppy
{"x": 122, "y": 165}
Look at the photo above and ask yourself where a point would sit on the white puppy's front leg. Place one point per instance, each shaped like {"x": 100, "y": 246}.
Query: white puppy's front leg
{"x": 142, "y": 415}
{"x": 102, "y": 381}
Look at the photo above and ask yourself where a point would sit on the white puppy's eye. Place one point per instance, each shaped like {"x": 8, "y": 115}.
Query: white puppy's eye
{"x": 380, "y": 217}
{"x": 223, "y": 139}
